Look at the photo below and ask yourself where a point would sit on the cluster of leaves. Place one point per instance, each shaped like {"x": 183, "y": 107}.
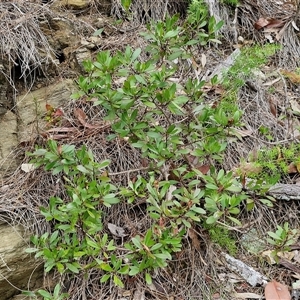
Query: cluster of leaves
{"x": 56, "y": 295}
{"x": 183, "y": 139}
{"x": 199, "y": 24}
{"x": 282, "y": 239}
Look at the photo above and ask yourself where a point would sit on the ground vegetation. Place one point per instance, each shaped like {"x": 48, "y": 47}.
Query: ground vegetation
{"x": 175, "y": 162}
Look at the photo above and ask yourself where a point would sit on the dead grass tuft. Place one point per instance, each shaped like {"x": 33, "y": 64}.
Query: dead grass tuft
{"x": 22, "y": 42}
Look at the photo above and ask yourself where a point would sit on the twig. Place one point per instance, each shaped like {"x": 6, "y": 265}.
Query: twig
{"x": 129, "y": 171}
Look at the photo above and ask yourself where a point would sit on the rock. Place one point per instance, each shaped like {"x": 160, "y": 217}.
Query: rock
{"x": 75, "y": 4}
{"x": 81, "y": 55}
{"x": 19, "y": 270}
{"x": 8, "y": 142}
{"x": 32, "y": 106}
{"x": 60, "y": 33}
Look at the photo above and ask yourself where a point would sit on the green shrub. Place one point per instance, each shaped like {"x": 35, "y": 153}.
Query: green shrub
{"x": 199, "y": 24}
{"x": 179, "y": 133}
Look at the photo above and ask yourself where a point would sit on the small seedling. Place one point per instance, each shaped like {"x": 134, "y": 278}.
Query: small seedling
{"x": 282, "y": 239}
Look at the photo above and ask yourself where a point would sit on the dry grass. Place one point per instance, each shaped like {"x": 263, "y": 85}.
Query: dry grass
{"x": 22, "y": 42}
{"x": 142, "y": 12}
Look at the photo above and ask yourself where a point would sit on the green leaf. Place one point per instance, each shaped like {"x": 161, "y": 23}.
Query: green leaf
{"x": 104, "y": 164}
{"x": 192, "y": 216}
{"x": 57, "y": 170}
{"x": 163, "y": 255}
{"x": 134, "y": 270}
{"x": 92, "y": 244}
{"x": 124, "y": 270}
{"x": 137, "y": 243}
{"x": 29, "y": 294}
{"x": 67, "y": 149}
{"x": 54, "y": 236}
{"x": 211, "y": 186}
{"x": 40, "y": 152}
{"x": 234, "y": 188}
{"x": 45, "y": 294}
{"x": 149, "y": 104}
{"x": 147, "y": 238}
{"x": 154, "y": 215}
{"x": 82, "y": 169}
{"x": 78, "y": 254}
{"x": 98, "y": 32}
{"x": 154, "y": 134}
{"x": 31, "y": 250}
{"x": 118, "y": 281}
{"x": 156, "y": 246}
{"x": 274, "y": 235}
{"x": 219, "y": 25}
{"x": 215, "y": 41}
{"x": 140, "y": 79}
{"x": 60, "y": 267}
{"x": 110, "y": 199}
{"x": 135, "y": 54}
{"x": 270, "y": 241}
{"x": 56, "y": 291}
{"x": 52, "y": 144}
{"x": 197, "y": 209}
{"x": 106, "y": 267}
{"x": 211, "y": 220}
{"x": 148, "y": 278}
{"x": 126, "y": 4}
{"x": 171, "y": 33}
{"x": 192, "y": 42}
{"x": 234, "y": 210}
{"x": 234, "y": 220}
{"x": 250, "y": 205}
{"x": 175, "y": 108}
{"x": 186, "y": 223}
{"x": 49, "y": 267}
{"x": 175, "y": 55}
{"x": 72, "y": 268}
{"x": 104, "y": 278}
{"x": 110, "y": 246}
{"x": 266, "y": 202}
{"x": 141, "y": 125}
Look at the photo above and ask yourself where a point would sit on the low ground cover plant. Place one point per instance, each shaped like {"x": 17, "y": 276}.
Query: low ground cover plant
{"x": 182, "y": 138}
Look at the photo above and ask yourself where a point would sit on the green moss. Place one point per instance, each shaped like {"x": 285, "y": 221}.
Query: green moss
{"x": 250, "y": 58}
{"x": 275, "y": 162}
{"x": 222, "y": 237}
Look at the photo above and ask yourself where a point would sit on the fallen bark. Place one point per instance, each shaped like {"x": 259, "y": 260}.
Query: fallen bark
{"x": 285, "y": 192}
